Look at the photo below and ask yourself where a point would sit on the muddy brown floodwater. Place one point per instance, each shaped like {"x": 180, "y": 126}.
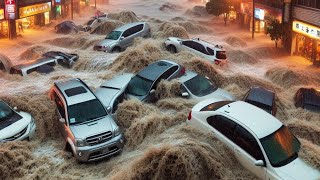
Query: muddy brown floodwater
{"x": 158, "y": 143}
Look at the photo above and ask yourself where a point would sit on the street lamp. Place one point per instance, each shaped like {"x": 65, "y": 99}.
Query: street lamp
{"x": 253, "y": 19}
{"x": 72, "y": 9}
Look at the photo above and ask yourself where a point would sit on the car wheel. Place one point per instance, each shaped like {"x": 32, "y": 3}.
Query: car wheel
{"x": 172, "y": 49}
{"x": 116, "y": 50}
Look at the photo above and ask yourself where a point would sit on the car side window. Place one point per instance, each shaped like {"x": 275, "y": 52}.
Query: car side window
{"x": 2, "y": 67}
{"x": 59, "y": 104}
{"x": 199, "y": 47}
{"x": 224, "y": 125}
{"x": 247, "y": 142}
{"x": 188, "y": 44}
{"x": 126, "y": 33}
{"x": 139, "y": 27}
{"x": 169, "y": 72}
{"x": 31, "y": 70}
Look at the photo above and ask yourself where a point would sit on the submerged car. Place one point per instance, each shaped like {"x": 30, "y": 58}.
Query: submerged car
{"x": 213, "y": 53}
{"x": 34, "y": 66}
{"x": 143, "y": 85}
{"x": 262, "y": 98}
{"x": 62, "y": 58}
{"x": 89, "y": 131}
{"x": 259, "y": 141}
{"x": 308, "y": 98}
{"x": 112, "y": 92}
{"x": 198, "y": 87}
{"x": 66, "y": 27}
{"x": 15, "y": 125}
{"x": 93, "y": 23}
{"x": 123, "y": 36}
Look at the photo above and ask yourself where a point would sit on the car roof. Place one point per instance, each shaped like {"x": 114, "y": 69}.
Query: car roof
{"x": 187, "y": 76}
{"x": 34, "y": 63}
{"x": 118, "y": 82}
{"x": 208, "y": 44}
{"x": 261, "y": 95}
{"x": 257, "y": 120}
{"x": 156, "y": 69}
{"x": 127, "y": 26}
{"x": 311, "y": 96}
{"x": 74, "y": 83}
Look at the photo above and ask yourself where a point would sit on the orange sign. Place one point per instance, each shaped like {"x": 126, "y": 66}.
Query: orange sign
{"x": 306, "y": 29}
{"x": 1, "y": 14}
{"x": 34, "y": 9}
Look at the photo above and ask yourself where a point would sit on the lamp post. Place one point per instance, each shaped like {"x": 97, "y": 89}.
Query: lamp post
{"x": 72, "y": 9}
{"x": 95, "y": 4}
{"x": 253, "y": 19}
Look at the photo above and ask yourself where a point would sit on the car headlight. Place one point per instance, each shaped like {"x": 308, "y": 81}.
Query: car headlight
{"x": 80, "y": 143}
{"x": 117, "y": 131}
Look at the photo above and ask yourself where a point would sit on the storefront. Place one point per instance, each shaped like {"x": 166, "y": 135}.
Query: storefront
{"x": 38, "y": 14}
{"x": 3, "y": 25}
{"x": 306, "y": 41}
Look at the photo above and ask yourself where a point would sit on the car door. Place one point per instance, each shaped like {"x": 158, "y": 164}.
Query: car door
{"x": 127, "y": 40}
{"x": 61, "y": 113}
{"x": 248, "y": 151}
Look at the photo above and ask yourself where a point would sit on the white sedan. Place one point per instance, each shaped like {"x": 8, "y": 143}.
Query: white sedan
{"x": 260, "y": 142}
{"x": 15, "y": 125}
{"x": 213, "y": 53}
{"x": 198, "y": 87}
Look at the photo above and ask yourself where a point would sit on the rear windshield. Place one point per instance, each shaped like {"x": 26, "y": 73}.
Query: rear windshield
{"x": 221, "y": 55}
{"x": 90, "y": 22}
{"x": 200, "y": 86}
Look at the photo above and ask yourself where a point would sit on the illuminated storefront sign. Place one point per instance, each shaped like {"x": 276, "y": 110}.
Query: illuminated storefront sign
{"x": 306, "y": 29}
{"x": 34, "y": 9}
{"x": 10, "y": 9}
{"x": 1, "y": 14}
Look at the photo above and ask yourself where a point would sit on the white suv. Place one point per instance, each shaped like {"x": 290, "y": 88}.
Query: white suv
{"x": 210, "y": 52}
{"x": 260, "y": 142}
{"x": 15, "y": 125}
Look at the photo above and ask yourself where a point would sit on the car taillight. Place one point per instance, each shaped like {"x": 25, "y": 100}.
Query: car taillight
{"x": 189, "y": 116}
{"x": 182, "y": 71}
{"x": 217, "y": 62}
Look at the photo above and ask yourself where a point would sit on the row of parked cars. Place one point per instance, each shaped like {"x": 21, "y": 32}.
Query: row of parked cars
{"x": 260, "y": 142}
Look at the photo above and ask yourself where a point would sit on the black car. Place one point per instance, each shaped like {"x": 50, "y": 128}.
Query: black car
{"x": 308, "y": 98}
{"x": 143, "y": 85}
{"x": 262, "y": 98}
{"x": 64, "y": 59}
{"x": 66, "y": 27}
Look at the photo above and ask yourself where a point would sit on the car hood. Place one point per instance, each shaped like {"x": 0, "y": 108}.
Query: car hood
{"x": 106, "y": 42}
{"x": 83, "y": 131}
{"x": 106, "y": 95}
{"x": 16, "y": 127}
{"x": 296, "y": 170}
{"x": 219, "y": 93}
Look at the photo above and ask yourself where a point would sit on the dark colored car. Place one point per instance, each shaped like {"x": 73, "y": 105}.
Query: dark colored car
{"x": 143, "y": 85}
{"x": 262, "y": 98}
{"x": 66, "y": 27}
{"x": 64, "y": 59}
{"x": 308, "y": 98}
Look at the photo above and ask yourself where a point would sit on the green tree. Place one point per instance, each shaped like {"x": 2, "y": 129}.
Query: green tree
{"x": 218, "y": 7}
{"x": 275, "y": 30}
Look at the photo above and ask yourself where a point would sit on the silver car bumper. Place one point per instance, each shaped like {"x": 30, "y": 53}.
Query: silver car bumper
{"x": 99, "y": 151}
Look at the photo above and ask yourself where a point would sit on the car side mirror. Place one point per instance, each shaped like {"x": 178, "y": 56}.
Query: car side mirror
{"x": 152, "y": 91}
{"x": 15, "y": 108}
{"x": 62, "y": 120}
{"x": 259, "y": 163}
{"x": 109, "y": 109}
{"x": 121, "y": 38}
{"x": 185, "y": 94}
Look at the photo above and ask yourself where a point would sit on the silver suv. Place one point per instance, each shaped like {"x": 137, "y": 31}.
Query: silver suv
{"x": 122, "y": 37}
{"x": 89, "y": 130}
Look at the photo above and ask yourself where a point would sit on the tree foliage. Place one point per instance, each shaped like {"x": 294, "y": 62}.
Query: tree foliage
{"x": 219, "y": 7}
{"x": 275, "y": 30}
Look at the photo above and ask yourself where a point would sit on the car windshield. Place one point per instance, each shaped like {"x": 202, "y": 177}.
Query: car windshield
{"x": 281, "y": 147}
{"x": 200, "y": 86}
{"x": 114, "y": 35}
{"x": 86, "y": 111}
{"x": 221, "y": 55}
{"x": 265, "y": 107}
{"x": 139, "y": 86}
{"x": 5, "y": 111}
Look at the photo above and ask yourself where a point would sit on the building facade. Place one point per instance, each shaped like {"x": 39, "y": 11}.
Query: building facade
{"x": 17, "y": 15}
{"x": 306, "y": 29}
